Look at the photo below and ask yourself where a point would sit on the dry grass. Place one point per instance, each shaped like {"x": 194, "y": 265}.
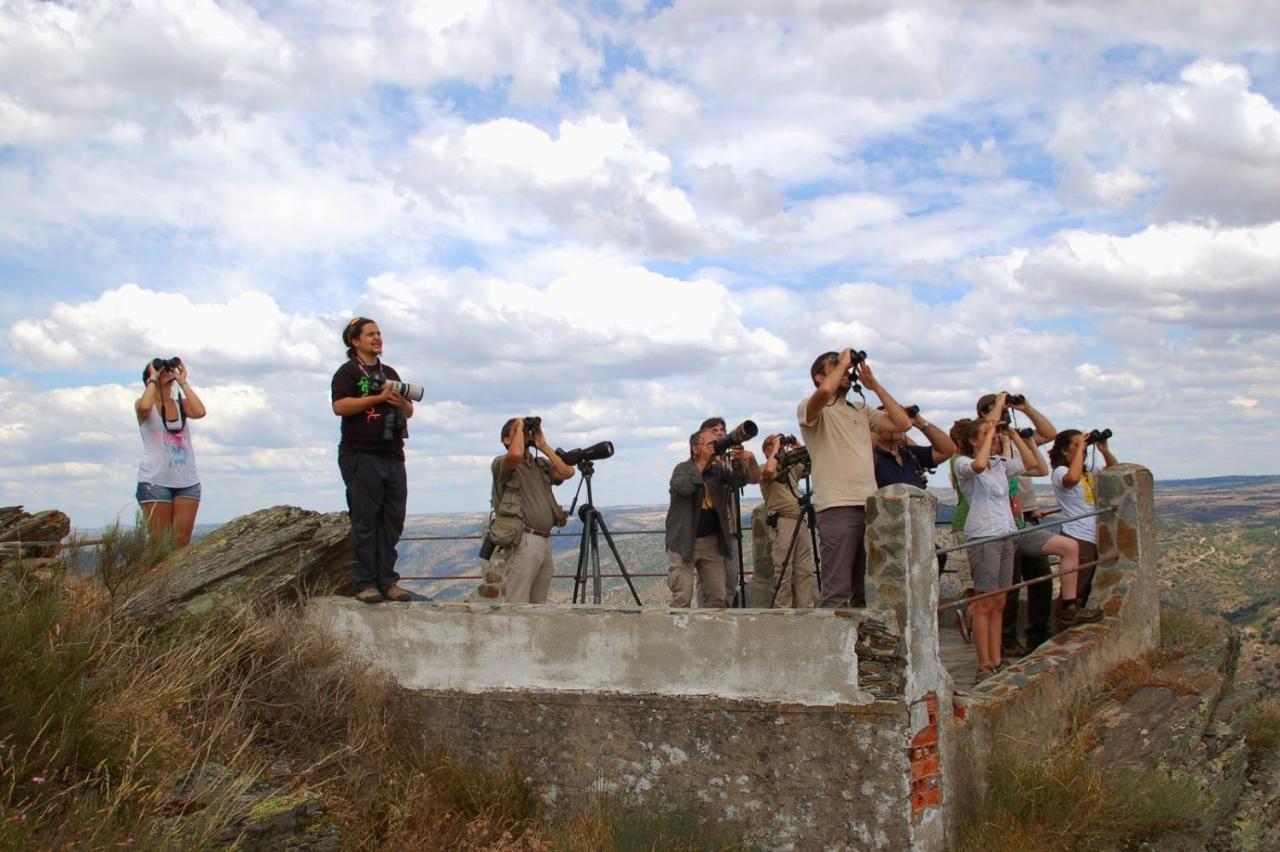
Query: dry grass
{"x": 1262, "y": 725}
{"x": 1060, "y": 802}
{"x": 101, "y": 718}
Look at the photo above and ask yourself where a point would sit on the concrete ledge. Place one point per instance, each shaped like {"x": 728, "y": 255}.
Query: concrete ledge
{"x": 781, "y": 656}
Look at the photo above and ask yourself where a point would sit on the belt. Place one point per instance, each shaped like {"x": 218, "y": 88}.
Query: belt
{"x": 537, "y": 532}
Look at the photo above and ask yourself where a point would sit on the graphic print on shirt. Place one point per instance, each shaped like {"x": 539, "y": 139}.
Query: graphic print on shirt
{"x": 371, "y": 413}
{"x": 175, "y": 450}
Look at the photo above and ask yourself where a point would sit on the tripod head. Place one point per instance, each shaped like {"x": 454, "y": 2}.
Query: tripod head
{"x": 586, "y": 467}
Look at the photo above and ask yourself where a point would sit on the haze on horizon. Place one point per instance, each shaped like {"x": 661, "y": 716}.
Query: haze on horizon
{"x": 626, "y": 217}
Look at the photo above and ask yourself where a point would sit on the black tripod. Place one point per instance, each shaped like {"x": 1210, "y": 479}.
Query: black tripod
{"x": 807, "y": 516}
{"x": 589, "y": 546}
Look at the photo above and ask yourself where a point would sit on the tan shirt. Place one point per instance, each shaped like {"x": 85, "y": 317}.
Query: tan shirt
{"x": 778, "y": 497}
{"x": 839, "y": 442}
{"x": 536, "y": 496}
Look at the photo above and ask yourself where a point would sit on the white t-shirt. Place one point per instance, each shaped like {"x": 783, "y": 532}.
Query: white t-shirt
{"x": 988, "y": 494}
{"x": 168, "y": 458}
{"x": 839, "y": 442}
{"x": 1076, "y": 501}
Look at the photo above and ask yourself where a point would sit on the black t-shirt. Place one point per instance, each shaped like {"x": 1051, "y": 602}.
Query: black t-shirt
{"x": 915, "y": 460}
{"x": 362, "y": 433}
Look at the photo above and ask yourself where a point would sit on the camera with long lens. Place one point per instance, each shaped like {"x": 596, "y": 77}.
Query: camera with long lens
{"x": 741, "y": 433}
{"x": 793, "y": 457}
{"x": 159, "y": 364}
{"x": 595, "y": 452}
{"x": 406, "y": 390}
{"x": 1098, "y": 436}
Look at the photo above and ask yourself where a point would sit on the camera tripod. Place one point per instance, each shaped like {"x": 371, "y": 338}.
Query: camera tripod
{"x": 589, "y": 546}
{"x": 807, "y": 516}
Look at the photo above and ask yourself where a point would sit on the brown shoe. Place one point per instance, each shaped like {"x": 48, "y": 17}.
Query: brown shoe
{"x": 1074, "y": 614}
{"x": 397, "y": 594}
{"x": 369, "y": 596}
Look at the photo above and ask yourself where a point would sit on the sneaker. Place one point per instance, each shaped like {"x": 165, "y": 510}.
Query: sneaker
{"x": 1072, "y": 613}
{"x": 397, "y": 594}
{"x": 369, "y": 596}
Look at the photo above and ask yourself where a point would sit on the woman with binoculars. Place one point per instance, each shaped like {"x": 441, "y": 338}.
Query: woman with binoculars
{"x": 1073, "y": 486}
{"x": 168, "y": 483}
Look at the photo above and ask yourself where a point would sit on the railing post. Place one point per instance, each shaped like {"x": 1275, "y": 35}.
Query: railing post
{"x": 1127, "y": 587}
{"x": 760, "y": 586}
{"x": 902, "y": 578}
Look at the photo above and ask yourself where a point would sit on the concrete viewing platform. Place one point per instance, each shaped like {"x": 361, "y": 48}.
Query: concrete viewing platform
{"x": 800, "y": 728}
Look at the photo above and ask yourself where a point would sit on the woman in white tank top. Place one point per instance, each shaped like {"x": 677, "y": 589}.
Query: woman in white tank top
{"x": 168, "y": 482}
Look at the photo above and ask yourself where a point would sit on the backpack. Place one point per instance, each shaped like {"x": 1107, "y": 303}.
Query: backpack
{"x": 506, "y": 522}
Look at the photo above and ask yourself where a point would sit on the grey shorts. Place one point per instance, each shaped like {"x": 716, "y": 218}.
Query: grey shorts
{"x": 992, "y": 564}
{"x": 1032, "y": 543}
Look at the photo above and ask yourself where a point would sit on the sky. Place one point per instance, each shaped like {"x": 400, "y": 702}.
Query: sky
{"x": 625, "y": 217}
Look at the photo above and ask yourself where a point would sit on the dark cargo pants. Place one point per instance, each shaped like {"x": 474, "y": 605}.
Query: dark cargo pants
{"x": 377, "y": 491}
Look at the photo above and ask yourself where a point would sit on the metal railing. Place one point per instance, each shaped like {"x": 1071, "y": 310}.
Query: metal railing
{"x": 1052, "y": 575}
{"x": 974, "y": 542}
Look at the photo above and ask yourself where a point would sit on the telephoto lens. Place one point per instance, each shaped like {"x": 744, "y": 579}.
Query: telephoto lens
{"x": 744, "y": 431}
{"x": 595, "y": 452}
{"x": 408, "y": 391}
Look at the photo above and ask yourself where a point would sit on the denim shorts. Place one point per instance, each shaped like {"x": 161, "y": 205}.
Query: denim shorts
{"x": 148, "y": 493}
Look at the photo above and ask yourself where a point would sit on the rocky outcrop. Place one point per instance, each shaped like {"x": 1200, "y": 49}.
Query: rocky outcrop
{"x": 1182, "y": 713}
{"x": 18, "y": 528}
{"x": 256, "y": 815}
{"x": 273, "y": 554}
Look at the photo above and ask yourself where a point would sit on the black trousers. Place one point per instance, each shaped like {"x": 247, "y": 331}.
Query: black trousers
{"x": 377, "y": 491}
{"x": 1039, "y": 599}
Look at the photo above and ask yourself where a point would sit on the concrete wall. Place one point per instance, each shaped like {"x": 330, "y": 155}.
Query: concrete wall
{"x": 810, "y": 656}
{"x": 803, "y": 729}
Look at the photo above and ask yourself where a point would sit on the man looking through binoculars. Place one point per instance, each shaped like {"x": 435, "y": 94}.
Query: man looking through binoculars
{"x": 838, "y": 435}
{"x": 781, "y": 489}
{"x": 522, "y": 489}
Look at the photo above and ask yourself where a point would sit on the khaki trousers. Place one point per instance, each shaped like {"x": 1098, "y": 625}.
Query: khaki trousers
{"x": 529, "y": 570}
{"x": 799, "y": 588}
{"x": 707, "y": 564}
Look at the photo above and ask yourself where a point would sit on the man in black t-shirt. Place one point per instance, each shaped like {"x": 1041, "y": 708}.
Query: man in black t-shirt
{"x": 897, "y": 461}
{"x": 371, "y": 459}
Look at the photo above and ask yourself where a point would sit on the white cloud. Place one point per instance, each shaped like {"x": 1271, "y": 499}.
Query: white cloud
{"x": 594, "y": 180}
{"x": 1177, "y": 274}
{"x": 1207, "y": 146}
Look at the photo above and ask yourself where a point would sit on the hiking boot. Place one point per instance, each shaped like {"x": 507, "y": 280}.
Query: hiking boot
{"x": 369, "y": 596}
{"x": 397, "y": 594}
{"x": 1073, "y": 613}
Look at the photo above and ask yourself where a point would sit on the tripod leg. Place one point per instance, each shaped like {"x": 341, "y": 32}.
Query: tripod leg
{"x": 811, "y": 517}
{"x": 622, "y": 569}
{"x": 786, "y": 563}
{"x": 580, "y": 576}
{"x": 597, "y": 591}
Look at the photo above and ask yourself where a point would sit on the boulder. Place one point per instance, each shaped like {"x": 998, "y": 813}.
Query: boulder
{"x": 261, "y": 816}
{"x": 47, "y": 528}
{"x": 279, "y": 553}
